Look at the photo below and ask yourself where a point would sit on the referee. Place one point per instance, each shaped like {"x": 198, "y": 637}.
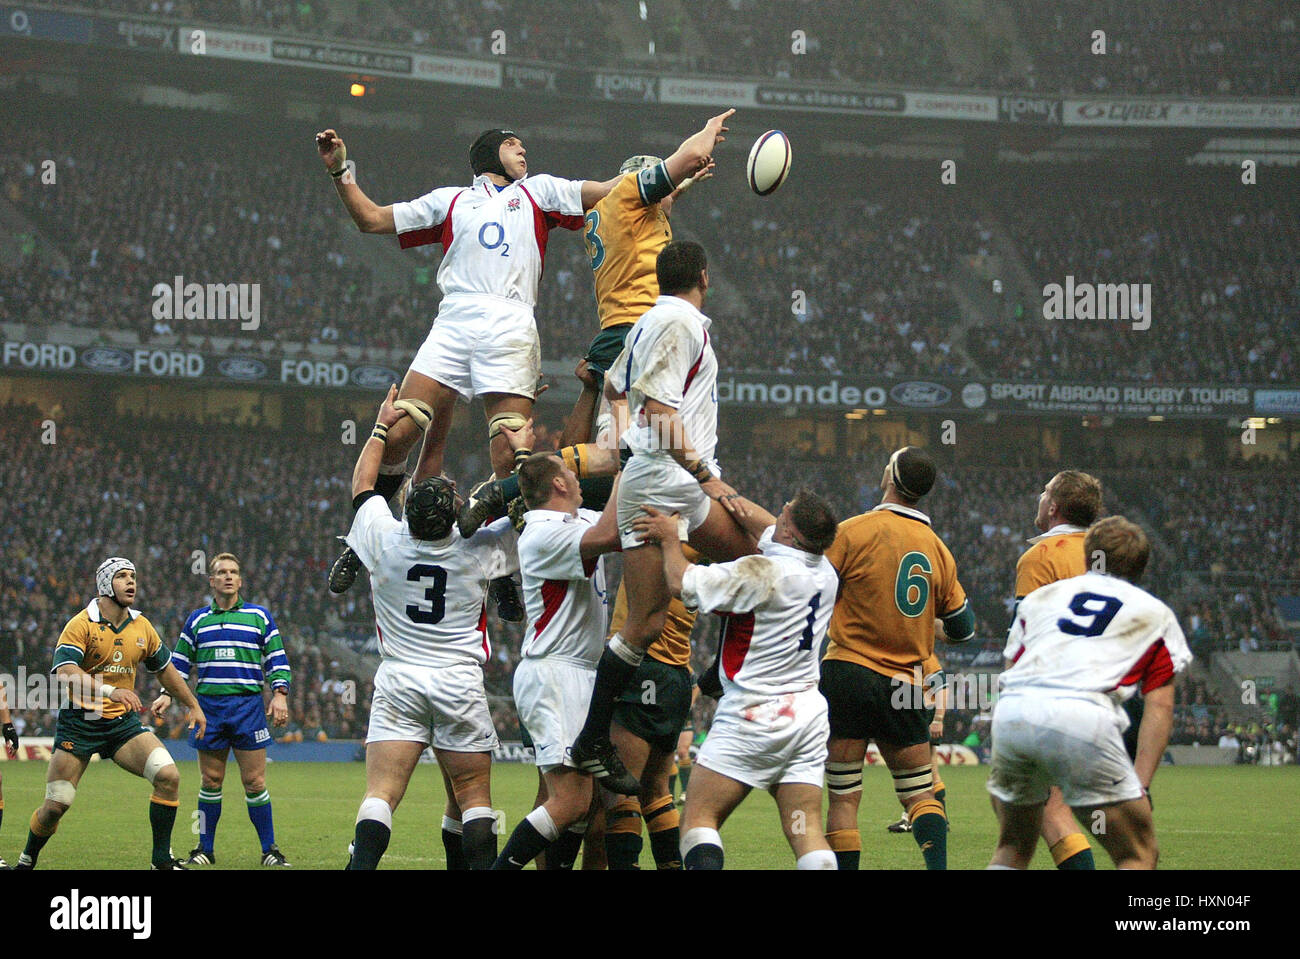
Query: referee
{"x": 237, "y": 648}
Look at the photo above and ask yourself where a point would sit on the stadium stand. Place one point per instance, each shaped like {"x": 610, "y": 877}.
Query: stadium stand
{"x": 1187, "y": 47}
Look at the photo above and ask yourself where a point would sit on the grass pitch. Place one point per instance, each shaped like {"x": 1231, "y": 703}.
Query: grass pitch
{"x": 1207, "y": 817}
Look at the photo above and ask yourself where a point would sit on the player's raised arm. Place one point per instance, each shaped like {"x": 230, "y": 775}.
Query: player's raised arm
{"x": 662, "y": 528}
{"x": 593, "y": 191}
{"x": 366, "y": 472}
{"x": 696, "y": 151}
{"x": 368, "y": 215}
{"x": 604, "y": 536}
{"x": 754, "y": 520}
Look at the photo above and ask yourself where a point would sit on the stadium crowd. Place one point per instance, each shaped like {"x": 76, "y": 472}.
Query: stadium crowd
{"x": 1224, "y": 291}
{"x": 1188, "y": 47}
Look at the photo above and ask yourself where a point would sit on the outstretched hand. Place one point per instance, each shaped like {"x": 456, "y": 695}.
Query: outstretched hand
{"x": 656, "y": 527}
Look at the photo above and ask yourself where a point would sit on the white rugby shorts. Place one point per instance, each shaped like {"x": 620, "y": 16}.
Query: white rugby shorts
{"x": 551, "y": 698}
{"x": 442, "y": 706}
{"x": 654, "y": 479}
{"x": 1044, "y": 741}
{"x": 765, "y": 742}
{"x": 480, "y": 344}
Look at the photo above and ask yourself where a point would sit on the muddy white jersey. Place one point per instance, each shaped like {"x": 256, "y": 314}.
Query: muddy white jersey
{"x": 493, "y": 240}
{"x": 566, "y": 598}
{"x": 1092, "y": 636}
{"x": 776, "y": 608}
{"x": 667, "y": 357}
{"x": 429, "y": 595}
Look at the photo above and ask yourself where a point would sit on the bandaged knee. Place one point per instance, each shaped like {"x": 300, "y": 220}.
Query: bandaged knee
{"x": 158, "y": 760}
{"x": 60, "y": 791}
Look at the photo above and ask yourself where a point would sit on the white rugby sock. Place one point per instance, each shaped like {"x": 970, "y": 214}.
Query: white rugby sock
{"x": 817, "y": 859}
{"x": 541, "y": 821}
{"x": 375, "y": 808}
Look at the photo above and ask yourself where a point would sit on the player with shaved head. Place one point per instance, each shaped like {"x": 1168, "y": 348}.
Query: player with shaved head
{"x": 897, "y": 582}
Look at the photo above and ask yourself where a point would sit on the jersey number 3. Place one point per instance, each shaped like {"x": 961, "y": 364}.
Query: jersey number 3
{"x": 595, "y": 248}
{"x": 435, "y": 595}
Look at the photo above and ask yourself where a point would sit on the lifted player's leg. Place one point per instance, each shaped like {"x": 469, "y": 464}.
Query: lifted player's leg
{"x": 647, "y": 608}
{"x": 430, "y": 405}
{"x": 506, "y": 411}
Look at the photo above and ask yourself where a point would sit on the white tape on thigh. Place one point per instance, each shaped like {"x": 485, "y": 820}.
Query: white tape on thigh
{"x": 419, "y": 411}
{"x": 844, "y": 778}
{"x": 509, "y": 421}
{"x": 158, "y": 760}
{"x": 913, "y": 782}
{"x": 61, "y": 791}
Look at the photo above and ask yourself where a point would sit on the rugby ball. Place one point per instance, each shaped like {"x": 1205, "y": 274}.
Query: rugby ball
{"x": 769, "y": 162}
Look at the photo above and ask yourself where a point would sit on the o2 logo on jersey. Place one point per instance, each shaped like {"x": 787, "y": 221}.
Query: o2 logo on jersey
{"x": 496, "y": 234}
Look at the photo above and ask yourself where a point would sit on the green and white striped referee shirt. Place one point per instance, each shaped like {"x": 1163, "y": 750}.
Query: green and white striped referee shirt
{"x": 236, "y": 650}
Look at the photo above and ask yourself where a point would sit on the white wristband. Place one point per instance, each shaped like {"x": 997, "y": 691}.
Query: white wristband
{"x": 106, "y": 690}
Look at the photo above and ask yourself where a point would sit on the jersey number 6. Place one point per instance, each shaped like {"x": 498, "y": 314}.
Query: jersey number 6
{"x": 436, "y": 595}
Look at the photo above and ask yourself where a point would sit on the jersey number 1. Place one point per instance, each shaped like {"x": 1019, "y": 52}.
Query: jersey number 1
{"x": 435, "y": 595}
{"x": 813, "y": 604}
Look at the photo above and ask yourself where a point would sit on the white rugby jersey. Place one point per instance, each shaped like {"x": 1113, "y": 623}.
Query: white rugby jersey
{"x": 429, "y": 595}
{"x": 492, "y": 241}
{"x": 568, "y": 607}
{"x": 1092, "y": 635}
{"x": 776, "y": 609}
{"x": 667, "y": 357}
